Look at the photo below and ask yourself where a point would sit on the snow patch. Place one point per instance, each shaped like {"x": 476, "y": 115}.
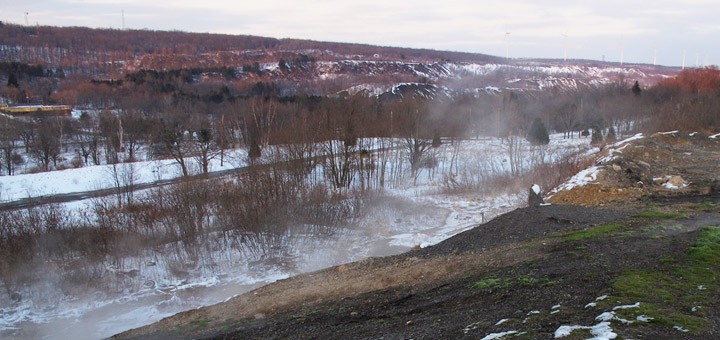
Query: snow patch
{"x": 643, "y": 318}
{"x": 635, "y": 305}
{"x": 601, "y": 331}
{"x": 628, "y": 140}
{"x": 580, "y": 179}
{"x": 679, "y": 328}
{"x": 606, "y": 316}
{"x": 564, "y": 330}
{"x": 502, "y": 321}
{"x": 498, "y": 335}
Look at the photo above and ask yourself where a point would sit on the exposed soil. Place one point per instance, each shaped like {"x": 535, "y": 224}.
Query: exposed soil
{"x": 524, "y": 267}
{"x": 639, "y": 168}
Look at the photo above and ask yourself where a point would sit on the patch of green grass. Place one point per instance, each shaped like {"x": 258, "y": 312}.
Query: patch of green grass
{"x": 661, "y": 215}
{"x": 665, "y": 317}
{"x": 668, "y": 260}
{"x": 669, "y": 296}
{"x": 199, "y": 323}
{"x": 707, "y": 205}
{"x": 593, "y": 232}
{"x": 489, "y": 283}
{"x": 707, "y": 248}
{"x": 639, "y": 284}
{"x": 527, "y": 280}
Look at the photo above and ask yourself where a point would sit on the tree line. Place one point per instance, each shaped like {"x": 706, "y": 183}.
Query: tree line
{"x": 177, "y": 124}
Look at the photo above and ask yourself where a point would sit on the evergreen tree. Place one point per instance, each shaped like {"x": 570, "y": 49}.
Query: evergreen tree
{"x": 12, "y": 81}
{"x": 611, "y": 137}
{"x": 283, "y": 65}
{"x": 436, "y": 141}
{"x": 254, "y": 151}
{"x": 538, "y": 133}
{"x": 636, "y": 88}
{"x": 596, "y": 136}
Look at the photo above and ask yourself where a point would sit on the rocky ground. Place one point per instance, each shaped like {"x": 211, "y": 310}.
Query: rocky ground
{"x": 627, "y": 256}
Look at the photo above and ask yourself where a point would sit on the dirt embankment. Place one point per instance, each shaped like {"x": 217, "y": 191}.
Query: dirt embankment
{"x": 532, "y": 273}
{"x": 664, "y": 164}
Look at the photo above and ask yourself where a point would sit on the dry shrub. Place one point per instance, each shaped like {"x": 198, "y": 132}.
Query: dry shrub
{"x": 547, "y": 175}
{"x": 551, "y": 175}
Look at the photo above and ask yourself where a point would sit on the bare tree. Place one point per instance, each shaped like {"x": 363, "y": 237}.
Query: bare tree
{"x": 205, "y": 145}
{"x": 9, "y": 142}
{"x": 567, "y": 115}
{"x": 110, "y": 127}
{"x": 88, "y": 139}
{"x": 123, "y": 177}
{"x": 259, "y": 120}
{"x": 171, "y": 140}
{"x": 46, "y": 146}
{"x": 135, "y": 130}
{"x": 416, "y": 135}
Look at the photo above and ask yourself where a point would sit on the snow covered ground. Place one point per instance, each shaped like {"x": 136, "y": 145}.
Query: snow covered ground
{"x": 405, "y": 216}
{"x": 97, "y": 177}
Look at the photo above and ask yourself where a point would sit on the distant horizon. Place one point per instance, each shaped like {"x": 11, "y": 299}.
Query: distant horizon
{"x": 511, "y": 59}
{"x": 664, "y": 33}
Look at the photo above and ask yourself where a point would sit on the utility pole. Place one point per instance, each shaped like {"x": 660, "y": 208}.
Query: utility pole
{"x": 222, "y": 139}
{"x": 507, "y": 45}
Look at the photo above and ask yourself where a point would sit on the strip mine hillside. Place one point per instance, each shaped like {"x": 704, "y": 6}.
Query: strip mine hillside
{"x": 628, "y": 248}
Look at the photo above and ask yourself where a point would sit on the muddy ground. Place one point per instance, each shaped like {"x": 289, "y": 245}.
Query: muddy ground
{"x": 627, "y": 266}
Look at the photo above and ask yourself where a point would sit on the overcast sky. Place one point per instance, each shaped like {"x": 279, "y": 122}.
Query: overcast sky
{"x": 634, "y": 30}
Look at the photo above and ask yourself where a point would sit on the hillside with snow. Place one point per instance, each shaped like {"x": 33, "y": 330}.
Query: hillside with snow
{"x": 295, "y": 67}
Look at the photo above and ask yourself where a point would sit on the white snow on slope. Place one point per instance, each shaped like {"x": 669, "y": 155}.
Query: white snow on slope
{"x": 98, "y": 177}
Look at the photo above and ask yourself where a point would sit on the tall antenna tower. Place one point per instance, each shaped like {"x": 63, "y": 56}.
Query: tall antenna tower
{"x": 123, "y": 20}
{"x": 507, "y": 45}
{"x": 26, "y": 19}
{"x": 683, "y": 60}
{"x": 655, "y": 57}
{"x": 565, "y": 36}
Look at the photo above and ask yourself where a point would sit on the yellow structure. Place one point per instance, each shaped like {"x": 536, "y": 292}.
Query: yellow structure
{"x": 37, "y": 110}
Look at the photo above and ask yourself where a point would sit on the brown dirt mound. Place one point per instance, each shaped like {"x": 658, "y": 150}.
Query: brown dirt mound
{"x": 641, "y": 167}
{"x": 596, "y": 195}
